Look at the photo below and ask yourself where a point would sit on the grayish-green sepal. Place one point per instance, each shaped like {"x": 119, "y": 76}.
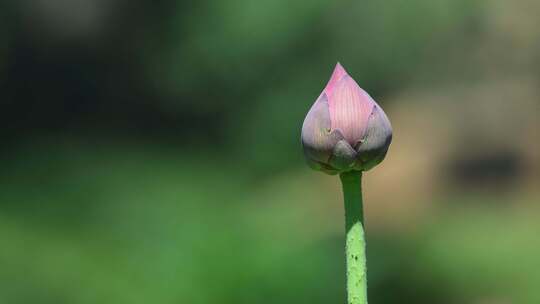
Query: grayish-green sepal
{"x": 343, "y": 156}
{"x": 315, "y": 165}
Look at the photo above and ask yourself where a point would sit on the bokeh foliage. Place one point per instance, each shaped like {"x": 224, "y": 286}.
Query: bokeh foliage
{"x": 151, "y": 151}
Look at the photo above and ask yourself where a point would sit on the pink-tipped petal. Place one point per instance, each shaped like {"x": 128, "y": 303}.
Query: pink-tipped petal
{"x": 350, "y": 108}
{"x": 338, "y": 73}
{"x": 373, "y": 147}
{"x": 318, "y": 139}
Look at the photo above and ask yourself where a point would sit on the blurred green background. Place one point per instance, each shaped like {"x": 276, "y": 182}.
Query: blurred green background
{"x": 150, "y": 151}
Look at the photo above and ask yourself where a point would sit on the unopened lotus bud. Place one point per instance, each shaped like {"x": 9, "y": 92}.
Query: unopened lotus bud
{"x": 345, "y": 129}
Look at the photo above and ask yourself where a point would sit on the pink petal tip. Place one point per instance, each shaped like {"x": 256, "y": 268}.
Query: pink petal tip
{"x": 338, "y": 73}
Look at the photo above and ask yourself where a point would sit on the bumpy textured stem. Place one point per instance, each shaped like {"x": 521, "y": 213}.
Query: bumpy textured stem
{"x": 355, "y": 246}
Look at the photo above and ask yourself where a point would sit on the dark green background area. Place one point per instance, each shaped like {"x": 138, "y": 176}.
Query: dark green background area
{"x": 151, "y": 154}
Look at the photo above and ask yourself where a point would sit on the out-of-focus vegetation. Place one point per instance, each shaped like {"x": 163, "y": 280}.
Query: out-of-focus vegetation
{"x": 151, "y": 151}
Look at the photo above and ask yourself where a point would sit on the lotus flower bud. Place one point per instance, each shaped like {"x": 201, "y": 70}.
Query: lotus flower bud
{"x": 345, "y": 129}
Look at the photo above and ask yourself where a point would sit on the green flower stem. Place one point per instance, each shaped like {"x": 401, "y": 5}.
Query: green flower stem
{"x": 355, "y": 244}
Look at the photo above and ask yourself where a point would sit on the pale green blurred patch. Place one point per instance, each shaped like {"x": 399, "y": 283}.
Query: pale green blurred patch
{"x": 127, "y": 224}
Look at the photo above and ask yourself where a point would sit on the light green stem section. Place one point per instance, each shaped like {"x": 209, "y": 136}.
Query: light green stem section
{"x": 355, "y": 244}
